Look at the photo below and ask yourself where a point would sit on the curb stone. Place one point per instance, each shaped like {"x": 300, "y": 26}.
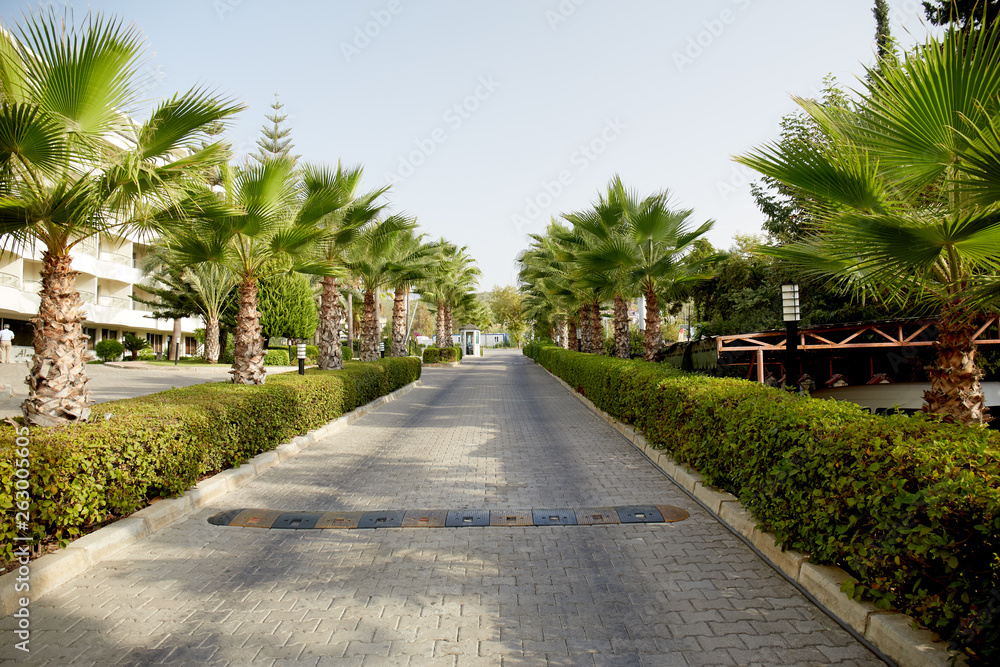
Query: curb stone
{"x": 891, "y": 632}
{"x": 54, "y": 569}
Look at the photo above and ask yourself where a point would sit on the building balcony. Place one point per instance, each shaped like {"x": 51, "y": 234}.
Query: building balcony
{"x": 116, "y": 258}
{"x": 115, "y": 302}
{"x": 10, "y": 280}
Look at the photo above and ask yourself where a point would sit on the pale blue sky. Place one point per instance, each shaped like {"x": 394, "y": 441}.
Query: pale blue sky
{"x": 553, "y": 96}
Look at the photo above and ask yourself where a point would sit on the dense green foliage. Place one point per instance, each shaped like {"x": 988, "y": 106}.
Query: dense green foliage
{"x": 287, "y": 307}
{"x": 276, "y": 358}
{"x": 109, "y": 349}
{"x": 433, "y": 355}
{"x": 162, "y": 444}
{"x": 908, "y": 505}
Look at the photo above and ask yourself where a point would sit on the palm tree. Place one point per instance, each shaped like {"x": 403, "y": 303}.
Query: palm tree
{"x": 907, "y": 191}
{"x": 65, "y": 176}
{"x": 345, "y": 214}
{"x": 409, "y": 262}
{"x": 260, "y": 226}
{"x": 460, "y": 277}
{"x": 213, "y": 285}
{"x": 372, "y": 260}
{"x": 602, "y": 261}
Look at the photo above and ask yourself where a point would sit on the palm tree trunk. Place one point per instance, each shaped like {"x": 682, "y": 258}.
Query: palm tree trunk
{"x": 956, "y": 392}
{"x": 586, "y": 331}
{"x": 441, "y": 322}
{"x": 621, "y": 328}
{"x": 175, "y": 341}
{"x": 369, "y": 329}
{"x": 399, "y": 323}
{"x": 563, "y": 328}
{"x": 212, "y": 338}
{"x": 574, "y": 344}
{"x": 57, "y": 382}
{"x": 653, "y": 339}
{"x": 248, "y": 355}
{"x": 331, "y": 356}
{"x": 449, "y": 325}
{"x": 597, "y": 331}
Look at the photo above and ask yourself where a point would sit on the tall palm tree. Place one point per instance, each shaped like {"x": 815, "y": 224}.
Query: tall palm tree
{"x": 65, "y": 92}
{"x": 213, "y": 285}
{"x": 907, "y": 191}
{"x": 346, "y": 213}
{"x": 261, "y": 225}
{"x": 372, "y": 260}
{"x": 410, "y": 262}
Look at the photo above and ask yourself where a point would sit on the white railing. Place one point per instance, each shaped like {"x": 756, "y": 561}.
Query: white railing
{"x": 87, "y": 297}
{"x": 142, "y": 307}
{"x": 33, "y": 286}
{"x": 115, "y": 302}
{"x": 10, "y": 280}
{"x": 86, "y": 248}
{"x": 116, "y": 257}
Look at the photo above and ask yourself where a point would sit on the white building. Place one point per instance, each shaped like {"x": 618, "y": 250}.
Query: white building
{"x": 107, "y": 280}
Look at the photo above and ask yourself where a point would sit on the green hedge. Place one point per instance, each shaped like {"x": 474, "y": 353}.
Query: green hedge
{"x": 909, "y": 506}
{"x": 276, "y": 358}
{"x": 346, "y": 353}
{"x": 162, "y": 444}
{"x": 433, "y": 355}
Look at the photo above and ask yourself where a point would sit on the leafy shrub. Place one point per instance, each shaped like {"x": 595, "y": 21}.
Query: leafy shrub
{"x": 312, "y": 351}
{"x": 432, "y": 355}
{"x": 134, "y": 344}
{"x": 910, "y": 506}
{"x": 88, "y": 473}
{"x": 276, "y": 358}
{"x": 147, "y": 355}
{"x": 448, "y": 354}
{"x": 345, "y": 352}
{"x": 109, "y": 349}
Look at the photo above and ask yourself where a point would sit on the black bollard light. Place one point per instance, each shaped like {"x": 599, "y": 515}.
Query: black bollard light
{"x": 790, "y": 313}
{"x": 301, "y": 354}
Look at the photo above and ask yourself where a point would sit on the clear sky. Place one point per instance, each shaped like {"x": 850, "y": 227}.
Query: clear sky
{"x": 491, "y": 116}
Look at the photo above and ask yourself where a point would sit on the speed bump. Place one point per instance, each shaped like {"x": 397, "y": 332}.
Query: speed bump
{"x": 592, "y": 516}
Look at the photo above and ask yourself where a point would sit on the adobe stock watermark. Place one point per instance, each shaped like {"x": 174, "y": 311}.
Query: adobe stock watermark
{"x": 363, "y": 35}
{"x": 22, "y": 552}
{"x": 713, "y": 29}
{"x": 550, "y": 190}
{"x": 223, "y": 7}
{"x": 563, "y": 11}
{"x": 454, "y": 116}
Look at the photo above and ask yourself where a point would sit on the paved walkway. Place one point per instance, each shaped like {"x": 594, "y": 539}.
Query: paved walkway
{"x": 496, "y": 433}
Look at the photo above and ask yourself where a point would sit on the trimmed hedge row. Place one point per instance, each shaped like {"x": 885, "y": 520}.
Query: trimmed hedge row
{"x": 162, "y": 444}
{"x": 433, "y": 355}
{"x": 909, "y": 506}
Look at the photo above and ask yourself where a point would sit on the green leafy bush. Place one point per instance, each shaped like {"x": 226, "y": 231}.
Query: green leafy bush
{"x": 909, "y": 506}
{"x": 276, "y": 358}
{"x": 109, "y": 349}
{"x": 432, "y": 355}
{"x": 346, "y": 353}
{"x": 312, "y": 351}
{"x": 140, "y": 448}
{"x": 147, "y": 355}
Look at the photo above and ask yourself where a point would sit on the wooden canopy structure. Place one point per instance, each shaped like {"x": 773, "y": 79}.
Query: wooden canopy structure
{"x": 862, "y": 335}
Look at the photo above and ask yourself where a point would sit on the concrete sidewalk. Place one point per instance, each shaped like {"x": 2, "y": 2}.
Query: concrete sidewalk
{"x": 496, "y": 433}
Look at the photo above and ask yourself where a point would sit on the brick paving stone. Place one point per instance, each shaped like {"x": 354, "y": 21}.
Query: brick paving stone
{"x": 495, "y": 433}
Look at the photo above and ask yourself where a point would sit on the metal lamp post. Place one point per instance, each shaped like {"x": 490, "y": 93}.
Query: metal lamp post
{"x": 790, "y": 313}
{"x": 301, "y": 354}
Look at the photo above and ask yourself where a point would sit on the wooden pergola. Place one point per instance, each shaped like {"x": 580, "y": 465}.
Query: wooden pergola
{"x": 895, "y": 333}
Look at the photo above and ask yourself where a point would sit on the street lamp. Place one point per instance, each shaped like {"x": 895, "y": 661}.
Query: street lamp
{"x": 790, "y": 313}
{"x": 301, "y": 355}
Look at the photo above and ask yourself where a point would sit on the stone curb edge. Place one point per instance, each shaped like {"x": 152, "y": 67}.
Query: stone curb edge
{"x": 52, "y": 570}
{"x": 890, "y": 631}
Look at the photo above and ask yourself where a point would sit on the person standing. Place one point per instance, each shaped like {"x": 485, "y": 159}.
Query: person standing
{"x": 6, "y": 336}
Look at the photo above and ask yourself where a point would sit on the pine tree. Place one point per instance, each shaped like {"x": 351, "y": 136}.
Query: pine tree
{"x": 287, "y": 307}
{"x": 966, "y": 14}
{"x": 883, "y": 37}
{"x": 274, "y": 141}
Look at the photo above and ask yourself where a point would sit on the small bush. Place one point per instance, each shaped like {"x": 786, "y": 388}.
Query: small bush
{"x": 276, "y": 358}
{"x": 109, "y": 349}
{"x": 909, "y": 506}
{"x": 346, "y": 353}
{"x": 432, "y": 355}
{"x": 147, "y": 355}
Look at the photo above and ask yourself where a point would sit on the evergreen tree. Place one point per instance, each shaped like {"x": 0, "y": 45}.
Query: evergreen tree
{"x": 966, "y": 14}
{"x": 275, "y": 142}
{"x": 884, "y": 43}
{"x": 287, "y": 307}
